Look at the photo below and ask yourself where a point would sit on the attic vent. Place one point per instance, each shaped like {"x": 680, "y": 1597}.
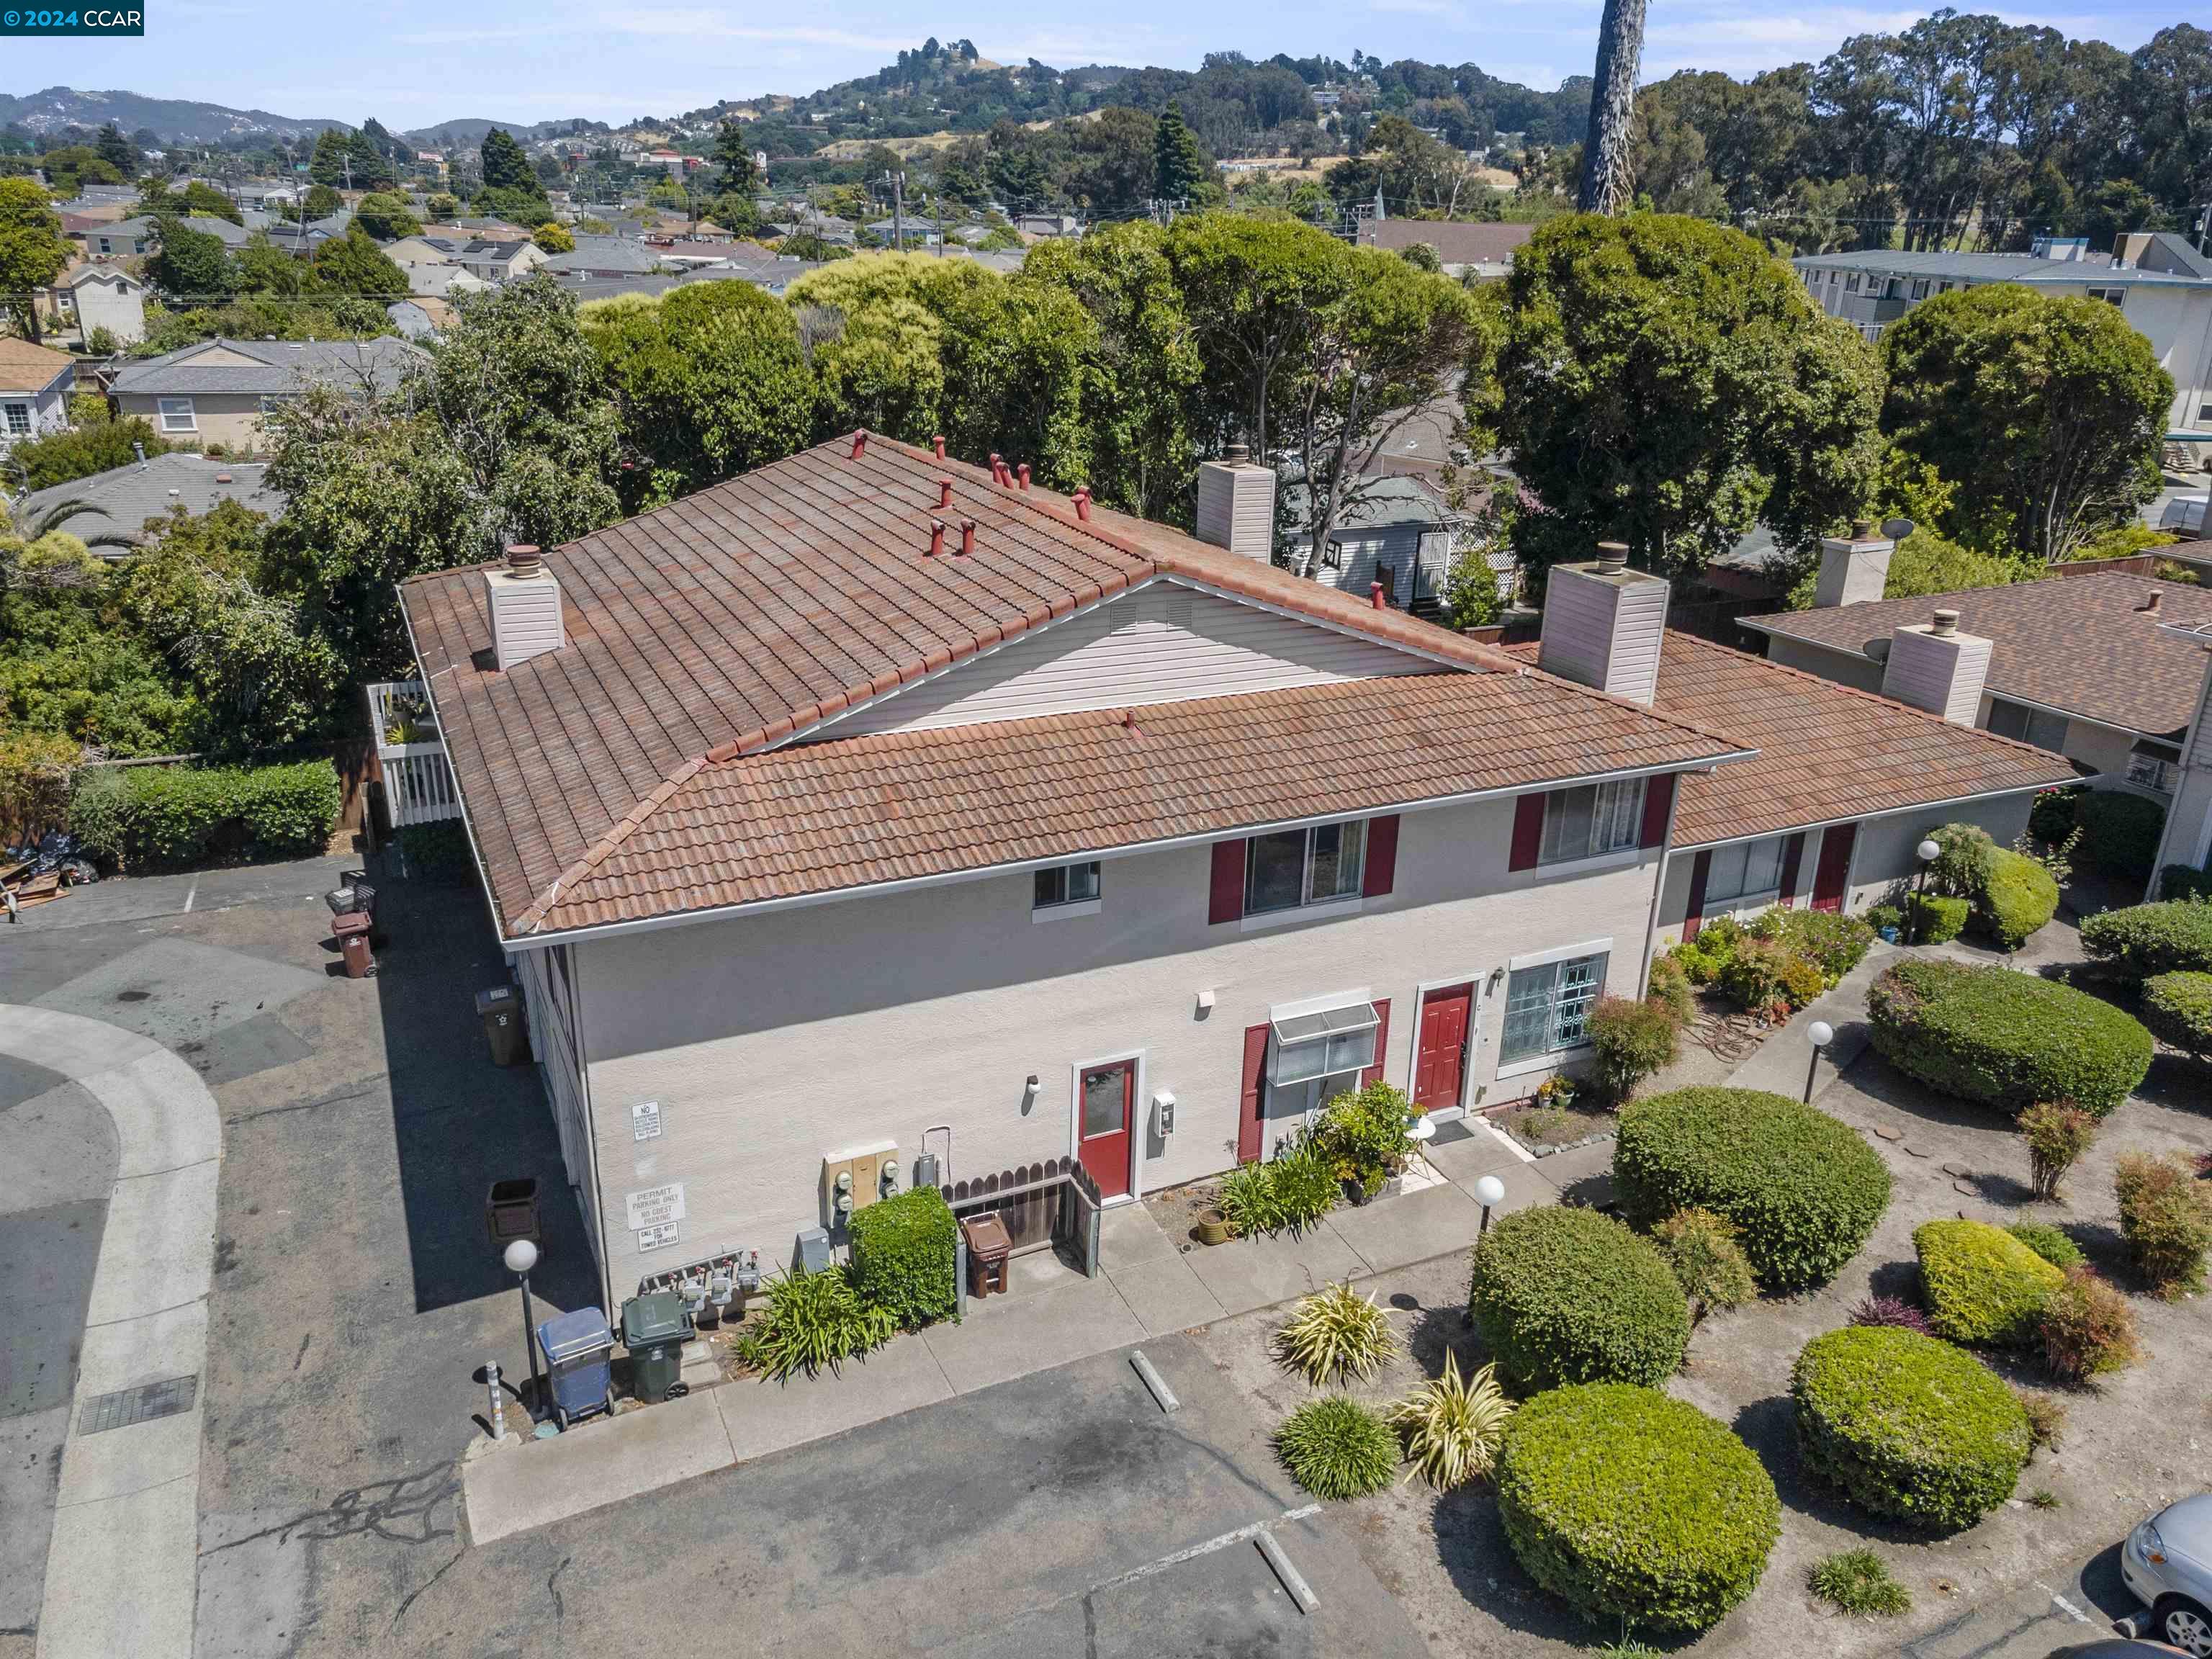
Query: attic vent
{"x": 1175, "y": 609}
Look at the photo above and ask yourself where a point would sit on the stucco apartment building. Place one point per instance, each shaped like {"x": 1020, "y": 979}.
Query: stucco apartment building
{"x": 869, "y": 797}
{"x": 216, "y": 391}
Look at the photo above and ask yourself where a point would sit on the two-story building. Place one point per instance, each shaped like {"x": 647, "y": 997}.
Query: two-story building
{"x": 35, "y": 382}
{"x": 869, "y": 798}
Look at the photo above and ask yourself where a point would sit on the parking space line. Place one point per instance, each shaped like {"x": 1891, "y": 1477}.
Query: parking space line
{"x": 1258, "y": 1528}
{"x": 2064, "y": 1605}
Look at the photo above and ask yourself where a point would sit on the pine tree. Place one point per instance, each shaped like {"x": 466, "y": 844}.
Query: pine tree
{"x": 118, "y": 152}
{"x": 329, "y": 165}
{"x": 1179, "y": 163}
{"x": 510, "y": 185}
{"x": 733, "y": 153}
{"x": 370, "y": 169}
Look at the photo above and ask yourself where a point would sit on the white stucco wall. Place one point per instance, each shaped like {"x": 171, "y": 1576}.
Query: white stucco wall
{"x": 771, "y": 1040}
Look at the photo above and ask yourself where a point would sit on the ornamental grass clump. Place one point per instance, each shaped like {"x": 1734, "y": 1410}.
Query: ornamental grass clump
{"x": 1336, "y": 1448}
{"x": 1452, "y": 1425}
{"x": 2165, "y": 1218}
{"x": 2087, "y": 1329}
{"x": 2058, "y": 1133}
{"x": 1567, "y": 1295}
{"x": 813, "y": 1320}
{"x": 1635, "y": 1508}
{"x": 1859, "y": 1583}
{"x": 1907, "y": 1427}
{"x": 1801, "y": 1189}
{"x": 1708, "y": 1264}
{"x": 1982, "y": 1284}
{"x": 1336, "y": 1334}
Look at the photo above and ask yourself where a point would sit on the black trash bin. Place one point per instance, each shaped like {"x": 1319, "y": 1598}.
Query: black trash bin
{"x": 501, "y": 1010}
{"x": 655, "y": 1330}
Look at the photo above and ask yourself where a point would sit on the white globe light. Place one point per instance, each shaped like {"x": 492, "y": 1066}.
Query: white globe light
{"x": 1821, "y": 1033}
{"x": 521, "y": 1257}
{"x": 1490, "y": 1190}
{"x": 1929, "y": 851}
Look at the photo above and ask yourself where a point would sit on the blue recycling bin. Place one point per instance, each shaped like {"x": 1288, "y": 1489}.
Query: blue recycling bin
{"x": 577, "y": 1346}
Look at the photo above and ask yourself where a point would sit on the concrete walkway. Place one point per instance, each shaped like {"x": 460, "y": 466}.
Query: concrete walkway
{"x": 121, "y": 1567}
{"x": 1052, "y": 1316}
{"x": 1781, "y": 1061}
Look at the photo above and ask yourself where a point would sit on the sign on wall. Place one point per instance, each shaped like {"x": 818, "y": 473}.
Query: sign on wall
{"x": 655, "y": 1238}
{"x": 655, "y": 1206}
{"x": 645, "y": 1120}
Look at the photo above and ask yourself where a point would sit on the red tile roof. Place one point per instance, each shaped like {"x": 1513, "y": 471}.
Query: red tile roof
{"x": 740, "y": 616}
{"x": 2081, "y": 644}
{"x": 1825, "y": 752}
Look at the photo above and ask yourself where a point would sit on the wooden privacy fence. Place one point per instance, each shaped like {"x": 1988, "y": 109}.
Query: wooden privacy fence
{"x": 1053, "y": 1203}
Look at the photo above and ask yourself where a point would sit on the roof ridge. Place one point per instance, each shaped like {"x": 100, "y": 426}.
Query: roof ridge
{"x": 600, "y": 850}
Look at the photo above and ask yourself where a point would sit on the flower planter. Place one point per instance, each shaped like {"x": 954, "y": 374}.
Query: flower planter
{"x": 1213, "y": 1228}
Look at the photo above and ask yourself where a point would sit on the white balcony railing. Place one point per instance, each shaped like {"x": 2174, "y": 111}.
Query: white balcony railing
{"x": 418, "y": 785}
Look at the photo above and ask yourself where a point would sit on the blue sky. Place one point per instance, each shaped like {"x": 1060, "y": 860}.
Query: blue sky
{"x": 419, "y": 62}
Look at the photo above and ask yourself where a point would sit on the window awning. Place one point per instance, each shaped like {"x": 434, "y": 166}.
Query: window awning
{"x": 1330, "y": 1043}
{"x": 1330, "y": 1022}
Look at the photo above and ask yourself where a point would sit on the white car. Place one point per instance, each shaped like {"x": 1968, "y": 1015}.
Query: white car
{"x": 2168, "y": 1564}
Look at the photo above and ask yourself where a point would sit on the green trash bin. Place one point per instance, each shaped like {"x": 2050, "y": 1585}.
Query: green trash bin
{"x": 654, "y": 1329}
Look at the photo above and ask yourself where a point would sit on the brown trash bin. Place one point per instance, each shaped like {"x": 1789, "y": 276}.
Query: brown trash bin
{"x": 501, "y": 1010}
{"x": 511, "y": 1211}
{"x": 989, "y": 1245}
{"x": 351, "y": 931}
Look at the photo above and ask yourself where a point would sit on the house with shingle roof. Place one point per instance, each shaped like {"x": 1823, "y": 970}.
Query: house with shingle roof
{"x": 35, "y": 382}
{"x": 873, "y": 792}
{"x": 123, "y": 499}
{"x": 216, "y": 391}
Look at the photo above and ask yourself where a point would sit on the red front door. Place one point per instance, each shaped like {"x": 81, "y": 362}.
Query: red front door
{"x": 1834, "y": 872}
{"x": 1105, "y": 1119}
{"x": 1440, "y": 1056}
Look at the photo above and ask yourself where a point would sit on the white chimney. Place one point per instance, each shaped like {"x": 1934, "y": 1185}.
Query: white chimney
{"x": 525, "y": 609}
{"x": 1604, "y": 623}
{"x": 1932, "y": 665}
{"x": 1854, "y": 568}
{"x": 1237, "y": 504}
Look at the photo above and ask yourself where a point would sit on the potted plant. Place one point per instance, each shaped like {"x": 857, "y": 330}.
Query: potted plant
{"x": 1362, "y": 1136}
{"x": 1214, "y": 1226}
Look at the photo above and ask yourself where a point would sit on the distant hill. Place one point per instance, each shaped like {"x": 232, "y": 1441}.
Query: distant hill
{"x": 468, "y": 132}
{"x": 177, "y": 119}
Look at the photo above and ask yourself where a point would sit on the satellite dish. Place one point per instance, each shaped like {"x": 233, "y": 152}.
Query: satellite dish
{"x": 1896, "y": 529}
{"x": 1877, "y": 650}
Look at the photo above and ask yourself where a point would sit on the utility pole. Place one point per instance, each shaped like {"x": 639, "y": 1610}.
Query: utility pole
{"x": 898, "y": 182}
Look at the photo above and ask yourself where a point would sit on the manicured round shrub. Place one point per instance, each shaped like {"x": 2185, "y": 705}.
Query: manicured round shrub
{"x": 1334, "y": 1447}
{"x": 1982, "y": 1284}
{"x": 2146, "y": 939}
{"x": 2005, "y": 1039}
{"x": 1567, "y": 1295}
{"x": 1801, "y": 1189}
{"x": 2177, "y": 1008}
{"x": 1935, "y": 918}
{"x": 902, "y": 1255}
{"x": 2021, "y": 896}
{"x": 2120, "y": 833}
{"x": 1907, "y": 1427}
{"x": 1635, "y": 1508}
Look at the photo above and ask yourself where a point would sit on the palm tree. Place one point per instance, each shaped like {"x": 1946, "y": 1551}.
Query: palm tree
{"x": 20, "y": 528}
{"x": 1608, "y": 184}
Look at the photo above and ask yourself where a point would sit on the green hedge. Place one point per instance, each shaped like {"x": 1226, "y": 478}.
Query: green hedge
{"x": 1801, "y": 1189}
{"x": 1634, "y": 1508}
{"x": 178, "y": 816}
{"x": 2178, "y": 881}
{"x": 2146, "y": 939}
{"x": 903, "y": 1256}
{"x": 1907, "y": 1427}
{"x": 1982, "y": 1284}
{"x": 2120, "y": 833}
{"x": 2021, "y": 897}
{"x": 2054, "y": 1245}
{"x": 1567, "y": 1295}
{"x": 2177, "y": 1008}
{"x": 1935, "y": 918}
{"x": 2005, "y": 1039}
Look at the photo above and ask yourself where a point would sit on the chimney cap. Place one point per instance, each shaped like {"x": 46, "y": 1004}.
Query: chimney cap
{"x": 2151, "y": 603}
{"x": 1946, "y": 622}
{"x": 1236, "y": 454}
{"x": 1612, "y": 557}
{"x": 1862, "y": 530}
{"x": 524, "y": 559}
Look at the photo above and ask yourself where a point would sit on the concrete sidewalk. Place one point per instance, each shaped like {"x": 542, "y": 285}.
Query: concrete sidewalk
{"x": 1781, "y": 1061}
{"x": 1052, "y": 1316}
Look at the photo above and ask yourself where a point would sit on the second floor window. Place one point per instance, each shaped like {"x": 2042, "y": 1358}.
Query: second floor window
{"x": 1744, "y": 869}
{"x": 1303, "y": 866}
{"x": 1593, "y": 820}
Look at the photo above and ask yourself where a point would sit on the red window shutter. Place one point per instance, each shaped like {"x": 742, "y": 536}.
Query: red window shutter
{"x": 1793, "y": 857}
{"x": 1528, "y": 832}
{"x": 1374, "y": 1074}
{"x": 1249, "y": 1123}
{"x": 1658, "y": 807}
{"x": 1226, "y": 903}
{"x": 1695, "y": 916}
{"x": 1381, "y": 867}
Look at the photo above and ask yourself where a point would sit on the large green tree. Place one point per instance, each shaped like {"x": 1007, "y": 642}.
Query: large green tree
{"x": 190, "y": 265}
{"x": 386, "y": 215}
{"x": 1180, "y": 171}
{"x": 116, "y": 151}
{"x": 1667, "y": 383}
{"x": 738, "y": 173}
{"x": 511, "y": 185}
{"x": 33, "y": 252}
{"x": 352, "y": 263}
{"x": 2044, "y": 410}
{"x": 332, "y": 157}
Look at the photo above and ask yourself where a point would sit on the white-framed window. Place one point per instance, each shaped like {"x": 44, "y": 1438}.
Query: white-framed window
{"x": 1303, "y": 866}
{"x": 2036, "y": 726}
{"x": 1592, "y": 820}
{"x": 1920, "y": 288}
{"x": 1743, "y": 869}
{"x": 1066, "y": 884}
{"x": 176, "y": 414}
{"x": 19, "y": 420}
{"x": 1548, "y": 1007}
{"x": 2111, "y": 296}
{"x": 270, "y": 405}
{"x": 1315, "y": 1057}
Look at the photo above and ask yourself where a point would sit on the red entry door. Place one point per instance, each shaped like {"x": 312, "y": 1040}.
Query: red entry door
{"x": 1106, "y": 1116}
{"x": 1835, "y": 871}
{"x": 1440, "y": 1055}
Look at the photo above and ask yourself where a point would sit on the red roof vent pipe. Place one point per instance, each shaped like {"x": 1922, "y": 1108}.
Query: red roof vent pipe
{"x": 860, "y": 443}
{"x": 936, "y": 538}
{"x": 967, "y": 535}
{"x": 997, "y": 467}
{"x": 945, "y": 492}
{"x": 1082, "y": 501}
{"x": 1374, "y": 595}
{"x": 1024, "y": 470}
{"x": 938, "y": 444}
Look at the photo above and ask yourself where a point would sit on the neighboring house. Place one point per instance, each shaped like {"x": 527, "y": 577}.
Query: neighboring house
{"x": 442, "y": 282}
{"x": 1485, "y": 249}
{"x": 106, "y": 296}
{"x": 1398, "y": 535}
{"x": 2161, "y": 285}
{"x": 35, "y": 382}
{"x": 216, "y": 391}
{"x": 607, "y": 256}
{"x": 1048, "y": 224}
{"x": 128, "y": 239}
{"x": 2078, "y": 665}
{"x": 499, "y": 261}
{"x": 407, "y": 251}
{"x": 1178, "y": 843}
{"x": 123, "y": 499}
{"x": 421, "y": 318}
{"x": 2188, "y": 835}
